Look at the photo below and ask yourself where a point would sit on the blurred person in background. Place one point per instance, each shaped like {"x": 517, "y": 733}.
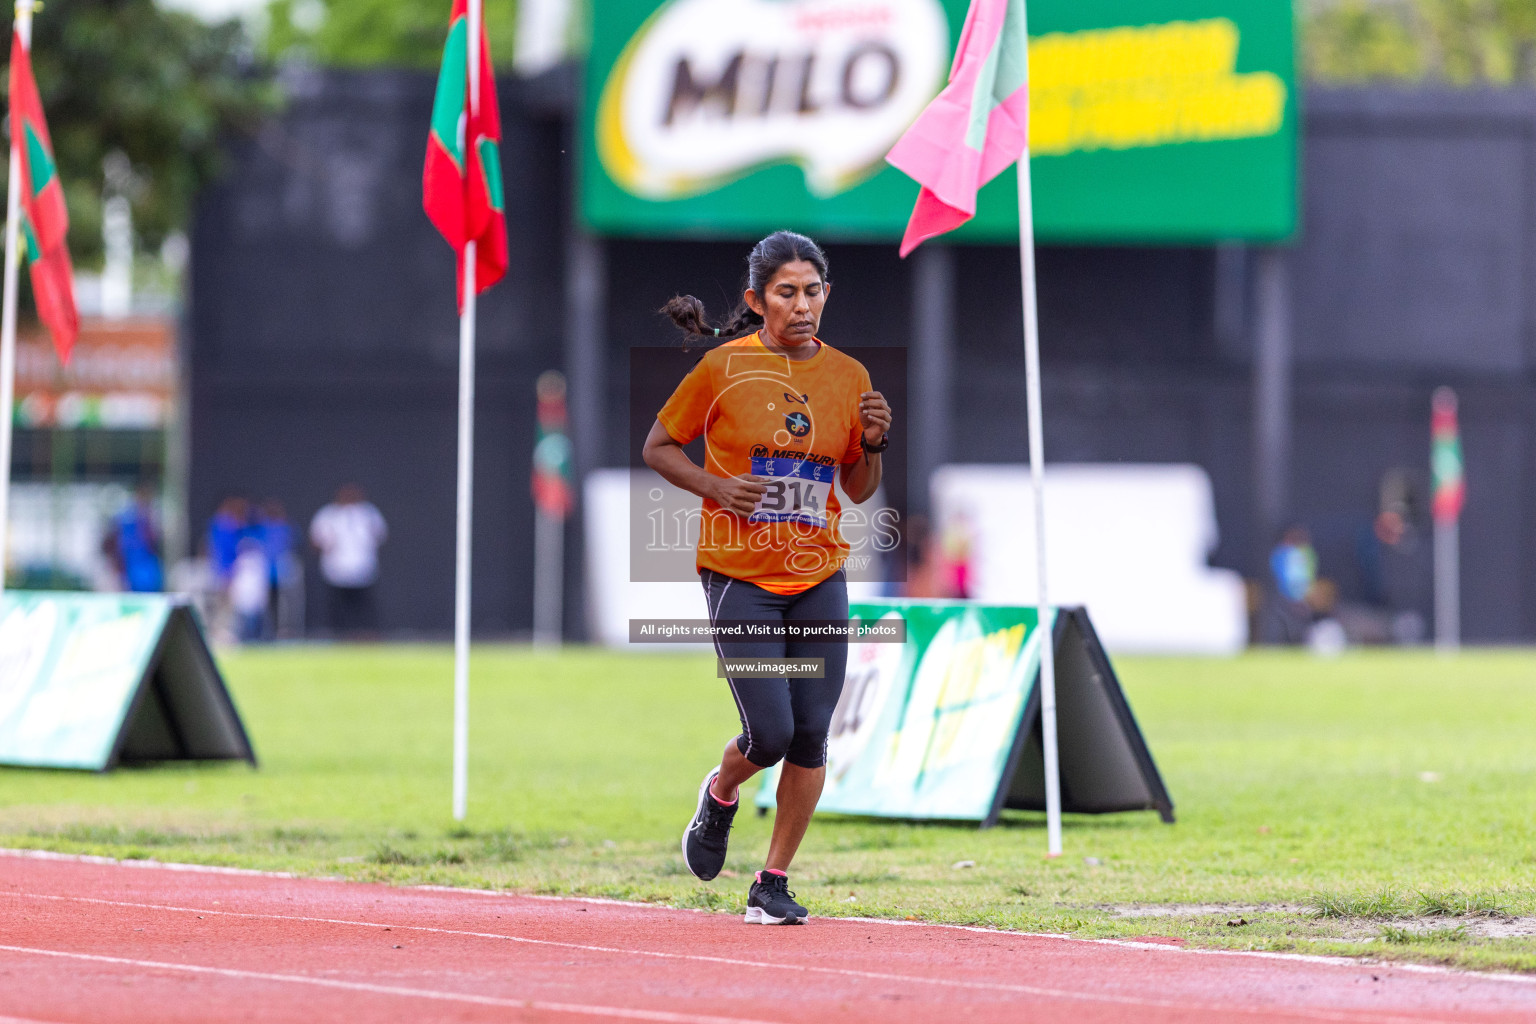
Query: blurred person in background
{"x": 1384, "y": 549}
{"x": 132, "y": 544}
{"x": 955, "y": 547}
{"x": 249, "y": 586}
{"x": 923, "y": 562}
{"x": 1406, "y": 570}
{"x": 348, "y": 533}
{"x": 276, "y": 535}
{"x": 1287, "y": 616}
{"x": 230, "y": 524}
{"x": 1384, "y": 532}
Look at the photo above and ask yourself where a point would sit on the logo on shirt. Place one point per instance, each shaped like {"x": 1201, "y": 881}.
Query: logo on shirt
{"x": 797, "y": 423}
{"x": 759, "y": 451}
{"x": 795, "y": 453}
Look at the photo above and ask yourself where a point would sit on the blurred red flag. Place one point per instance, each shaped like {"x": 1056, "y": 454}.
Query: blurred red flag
{"x": 461, "y": 186}
{"x": 552, "y": 493}
{"x": 1450, "y": 487}
{"x": 45, "y": 220}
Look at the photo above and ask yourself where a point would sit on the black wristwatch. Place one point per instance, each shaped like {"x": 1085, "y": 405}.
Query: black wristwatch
{"x": 875, "y": 449}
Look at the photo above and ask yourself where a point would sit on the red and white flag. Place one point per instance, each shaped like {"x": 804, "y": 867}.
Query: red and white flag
{"x": 461, "y": 185}
{"x": 44, "y": 218}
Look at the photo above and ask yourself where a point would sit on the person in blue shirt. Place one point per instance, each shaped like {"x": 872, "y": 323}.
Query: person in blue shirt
{"x": 133, "y": 544}
{"x": 276, "y": 535}
{"x": 1293, "y": 564}
{"x": 228, "y": 526}
{"x": 1286, "y": 615}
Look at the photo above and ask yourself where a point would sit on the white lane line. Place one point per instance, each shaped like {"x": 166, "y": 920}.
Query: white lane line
{"x": 662, "y": 1016}
{"x": 1258, "y": 954}
{"x": 1364, "y": 1017}
{"x": 196, "y": 869}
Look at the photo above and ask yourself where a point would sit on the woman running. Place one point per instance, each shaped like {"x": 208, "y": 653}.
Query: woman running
{"x": 782, "y": 414}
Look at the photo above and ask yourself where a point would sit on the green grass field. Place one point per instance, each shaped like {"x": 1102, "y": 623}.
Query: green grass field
{"x": 1380, "y": 804}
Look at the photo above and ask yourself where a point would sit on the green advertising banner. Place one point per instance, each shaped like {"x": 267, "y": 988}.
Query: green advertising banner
{"x": 947, "y": 724}
{"x": 925, "y": 729}
{"x": 87, "y": 680}
{"x": 1153, "y": 121}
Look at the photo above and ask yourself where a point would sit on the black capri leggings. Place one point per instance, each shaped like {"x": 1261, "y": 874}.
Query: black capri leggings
{"x": 782, "y": 719}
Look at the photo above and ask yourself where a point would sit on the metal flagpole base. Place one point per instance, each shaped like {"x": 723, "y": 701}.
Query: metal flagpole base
{"x": 548, "y": 573}
{"x": 1447, "y": 588}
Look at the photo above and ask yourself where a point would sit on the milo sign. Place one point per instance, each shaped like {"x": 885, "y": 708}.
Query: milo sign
{"x": 1166, "y": 120}
{"x": 708, "y": 90}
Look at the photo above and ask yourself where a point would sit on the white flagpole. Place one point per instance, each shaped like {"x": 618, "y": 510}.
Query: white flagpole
{"x": 8, "y": 312}
{"x": 1037, "y": 481}
{"x": 1447, "y": 576}
{"x": 466, "y": 472}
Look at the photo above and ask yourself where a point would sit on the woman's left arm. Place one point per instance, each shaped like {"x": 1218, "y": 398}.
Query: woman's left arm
{"x": 861, "y": 477}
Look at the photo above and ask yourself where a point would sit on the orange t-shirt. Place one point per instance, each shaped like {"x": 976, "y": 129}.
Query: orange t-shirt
{"x": 794, "y": 421}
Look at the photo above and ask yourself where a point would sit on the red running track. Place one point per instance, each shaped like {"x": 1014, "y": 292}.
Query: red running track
{"x": 96, "y": 942}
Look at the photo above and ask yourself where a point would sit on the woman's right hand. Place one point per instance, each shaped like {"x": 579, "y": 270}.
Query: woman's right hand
{"x": 739, "y": 493}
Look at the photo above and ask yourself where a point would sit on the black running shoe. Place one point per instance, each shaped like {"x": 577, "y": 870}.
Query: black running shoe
{"x": 769, "y": 901}
{"x": 707, "y": 834}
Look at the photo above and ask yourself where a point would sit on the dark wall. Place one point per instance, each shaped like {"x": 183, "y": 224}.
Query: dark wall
{"x": 1417, "y": 267}
{"x": 324, "y": 338}
{"x": 1417, "y": 249}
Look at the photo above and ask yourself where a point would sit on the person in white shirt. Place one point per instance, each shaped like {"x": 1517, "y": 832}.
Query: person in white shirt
{"x": 348, "y": 533}
{"x": 249, "y": 588}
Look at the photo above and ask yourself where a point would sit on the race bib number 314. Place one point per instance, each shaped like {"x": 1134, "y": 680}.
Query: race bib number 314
{"x": 797, "y": 491}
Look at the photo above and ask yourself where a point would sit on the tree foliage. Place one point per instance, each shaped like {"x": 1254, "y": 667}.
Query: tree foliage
{"x": 1460, "y": 42}
{"x": 1457, "y": 42}
{"x": 377, "y": 33}
{"x": 160, "y": 88}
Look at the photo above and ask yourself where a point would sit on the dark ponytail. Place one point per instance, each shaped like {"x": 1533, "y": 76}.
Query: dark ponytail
{"x": 766, "y": 258}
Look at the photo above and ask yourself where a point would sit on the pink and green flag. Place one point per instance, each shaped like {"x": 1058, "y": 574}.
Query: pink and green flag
{"x": 461, "y": 185}
{"x": 973, "y": 129}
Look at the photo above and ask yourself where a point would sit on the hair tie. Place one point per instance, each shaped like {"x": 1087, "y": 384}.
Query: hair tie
{"x": 717, "y": 332}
